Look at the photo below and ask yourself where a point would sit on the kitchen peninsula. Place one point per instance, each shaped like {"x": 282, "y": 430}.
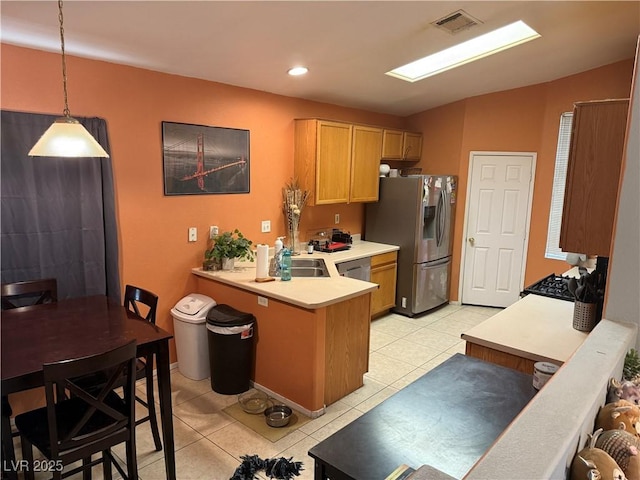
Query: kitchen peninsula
{"x": 533, "y": 329}
{"x": 312, "y": 343}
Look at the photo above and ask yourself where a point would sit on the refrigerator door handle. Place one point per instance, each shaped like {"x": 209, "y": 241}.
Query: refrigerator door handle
{"x": 440, "y": 220}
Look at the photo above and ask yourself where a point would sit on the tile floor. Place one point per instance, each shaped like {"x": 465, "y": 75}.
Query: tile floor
{"x": 209, "y": 443}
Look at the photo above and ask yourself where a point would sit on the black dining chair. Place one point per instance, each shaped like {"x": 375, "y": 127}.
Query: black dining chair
{"x": 14, "y": 295}
{"x": 88, "y": 422}
{"x": 135, "y": 300}
{"x": 30, "y": 292}
{"x": 138, "y": 301}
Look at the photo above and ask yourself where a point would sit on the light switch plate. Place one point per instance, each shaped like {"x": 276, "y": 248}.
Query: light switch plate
{"x": 193, "y": 234}
{"x": 264, "y": 301}
{"x": 266, "y": 226}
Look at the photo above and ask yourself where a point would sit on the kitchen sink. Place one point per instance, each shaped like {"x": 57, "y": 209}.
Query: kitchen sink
{"x": 308, "y": 262}
{"x": 308, "y": 267}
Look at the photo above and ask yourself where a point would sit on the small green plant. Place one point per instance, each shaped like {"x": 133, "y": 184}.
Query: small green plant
{"x": 230, "y": 245}
{"x": 631, "y": 367}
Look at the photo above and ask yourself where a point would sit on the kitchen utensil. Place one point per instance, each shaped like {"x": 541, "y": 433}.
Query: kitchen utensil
{"x": 278, "y": 415}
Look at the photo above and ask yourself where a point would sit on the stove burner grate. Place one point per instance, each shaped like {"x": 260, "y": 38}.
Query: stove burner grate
{"x": 554, "y": 286}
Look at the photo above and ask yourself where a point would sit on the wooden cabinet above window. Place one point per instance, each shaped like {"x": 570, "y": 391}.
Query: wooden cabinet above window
{"x": 401, "y": 145}
{"x": 593, "y": 175}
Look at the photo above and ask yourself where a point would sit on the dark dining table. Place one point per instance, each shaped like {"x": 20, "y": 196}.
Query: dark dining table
{"x": 33, "y": 336}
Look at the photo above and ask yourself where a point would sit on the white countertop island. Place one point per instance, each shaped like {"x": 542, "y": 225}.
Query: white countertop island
{"x": 536, "y": 328}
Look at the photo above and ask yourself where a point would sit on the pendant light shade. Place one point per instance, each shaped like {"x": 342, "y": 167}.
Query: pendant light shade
{"x": 66, "y": 137}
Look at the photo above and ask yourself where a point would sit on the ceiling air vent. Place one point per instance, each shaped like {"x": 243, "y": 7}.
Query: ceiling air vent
{"x": 456, "y": 22}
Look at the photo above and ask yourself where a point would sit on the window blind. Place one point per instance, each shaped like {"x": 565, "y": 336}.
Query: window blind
{"x": 557, "y": 197}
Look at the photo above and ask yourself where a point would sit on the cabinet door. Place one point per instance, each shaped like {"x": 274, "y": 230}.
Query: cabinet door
{"x": 593, "y": 175}
{"x": 333, "y": 162}
{"x": 412, "y": 146}
{"x": 384, "y": 272}
{"x": 365, "y": 163}
{"x": 385, "y": 297}
{"x": 392, "y": 143}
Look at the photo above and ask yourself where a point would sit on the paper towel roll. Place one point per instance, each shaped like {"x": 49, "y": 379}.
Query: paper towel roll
{"x": 262, "y": 261}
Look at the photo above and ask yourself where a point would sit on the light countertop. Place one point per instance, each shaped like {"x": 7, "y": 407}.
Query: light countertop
{"x": 309, "y": 293}
{"x": 535, "y": 327}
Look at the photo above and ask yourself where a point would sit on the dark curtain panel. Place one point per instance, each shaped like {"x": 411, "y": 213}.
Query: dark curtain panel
{"x": 58, "y": 214}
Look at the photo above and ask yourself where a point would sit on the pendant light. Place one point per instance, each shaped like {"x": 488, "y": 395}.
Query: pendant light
{"x": 66, "y": 137}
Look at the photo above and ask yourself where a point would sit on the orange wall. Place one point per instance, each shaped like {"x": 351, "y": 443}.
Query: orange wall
{"x": 524, "y": 119}
{"x": 154, "y": 252}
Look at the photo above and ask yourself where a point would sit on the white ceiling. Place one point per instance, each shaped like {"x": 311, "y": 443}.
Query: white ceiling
{"x": 347, "y": 45}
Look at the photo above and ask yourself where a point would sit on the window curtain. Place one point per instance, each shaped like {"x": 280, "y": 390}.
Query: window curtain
{"x": 58, "y": 214}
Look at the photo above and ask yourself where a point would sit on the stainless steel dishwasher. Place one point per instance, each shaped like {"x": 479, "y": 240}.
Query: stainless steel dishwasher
{"x": 360, "y": 269}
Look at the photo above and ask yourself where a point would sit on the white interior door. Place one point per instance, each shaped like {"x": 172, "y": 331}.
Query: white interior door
{"x": 497, "y": 225}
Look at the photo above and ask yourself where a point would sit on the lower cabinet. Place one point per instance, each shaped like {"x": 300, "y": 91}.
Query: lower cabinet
{"x": 384, "y": 271}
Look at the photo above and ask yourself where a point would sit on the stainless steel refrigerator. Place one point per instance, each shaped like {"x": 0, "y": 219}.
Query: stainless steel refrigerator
{"x": 416, "y": 213}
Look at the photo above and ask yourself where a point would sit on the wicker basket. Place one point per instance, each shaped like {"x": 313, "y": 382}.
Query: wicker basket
{"x": 584, "y": 316}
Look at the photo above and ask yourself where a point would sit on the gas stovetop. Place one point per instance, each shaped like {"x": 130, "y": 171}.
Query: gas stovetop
{"x": 554, "y": 286}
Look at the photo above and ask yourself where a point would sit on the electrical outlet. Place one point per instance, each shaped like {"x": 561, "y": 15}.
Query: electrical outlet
{"x": 337, "y": 218}
{"x": 213, "y": 231}
{"x": 264, "y": 301}
{"x": 266, "y": 226}
{"x": 193, "y": 234}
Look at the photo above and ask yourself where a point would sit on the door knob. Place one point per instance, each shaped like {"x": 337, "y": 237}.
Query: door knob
{"x": 471, "y": 240}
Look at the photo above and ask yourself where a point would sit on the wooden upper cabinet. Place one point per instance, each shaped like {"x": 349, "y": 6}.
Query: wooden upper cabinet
{"x": 333, "y": 162}
{"x": 365, "y": 163}
{"x": 392, "y": 144}
{"x": 593, "y": 175}
{"x": 337, "y": 162}
{"x": 400, "y": 145}
{"x": 412, "y": 146}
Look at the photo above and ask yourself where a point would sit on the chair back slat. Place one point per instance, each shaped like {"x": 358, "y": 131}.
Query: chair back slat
{"x": 99, "y": 418}
{"x": 31, "y": 292}
{"x": 136, "y": 296}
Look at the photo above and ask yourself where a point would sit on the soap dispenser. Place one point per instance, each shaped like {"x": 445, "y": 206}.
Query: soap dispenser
{"x": 274, "y": 265}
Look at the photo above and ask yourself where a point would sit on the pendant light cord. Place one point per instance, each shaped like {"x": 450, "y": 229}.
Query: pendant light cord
{"x": 64, "y": 63}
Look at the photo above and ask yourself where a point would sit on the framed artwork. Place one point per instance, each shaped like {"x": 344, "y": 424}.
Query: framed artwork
{"x": 201, "y": 160}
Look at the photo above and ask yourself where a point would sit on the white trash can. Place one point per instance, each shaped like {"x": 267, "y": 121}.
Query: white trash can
{"x": 190, "y": 334}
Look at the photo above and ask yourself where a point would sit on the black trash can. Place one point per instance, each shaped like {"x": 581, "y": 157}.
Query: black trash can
{"x": 230, "y": 337}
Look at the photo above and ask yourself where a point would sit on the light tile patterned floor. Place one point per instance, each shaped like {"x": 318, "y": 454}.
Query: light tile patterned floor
{"x": 209, "y": 443}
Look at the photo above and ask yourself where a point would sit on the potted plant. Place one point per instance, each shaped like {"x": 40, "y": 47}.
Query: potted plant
{"x": 225, "y": 248}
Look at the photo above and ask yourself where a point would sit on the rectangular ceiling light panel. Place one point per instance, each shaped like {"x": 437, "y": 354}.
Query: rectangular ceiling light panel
{"x": 465, "y": 52}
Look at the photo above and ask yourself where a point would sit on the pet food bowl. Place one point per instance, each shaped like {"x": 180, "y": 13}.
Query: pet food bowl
{"x": 253, "y": 401}
{"x": 278, "y": 415}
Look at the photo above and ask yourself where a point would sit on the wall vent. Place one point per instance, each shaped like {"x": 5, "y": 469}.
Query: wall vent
{"x": 456, "y": 22}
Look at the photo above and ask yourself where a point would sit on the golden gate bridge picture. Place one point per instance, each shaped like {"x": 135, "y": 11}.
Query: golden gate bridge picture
{"x": 203, "y": 160}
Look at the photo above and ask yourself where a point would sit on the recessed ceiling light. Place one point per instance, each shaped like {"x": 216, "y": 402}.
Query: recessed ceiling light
{"x": 295, "y": 71}
{"x": 465, "y": 52}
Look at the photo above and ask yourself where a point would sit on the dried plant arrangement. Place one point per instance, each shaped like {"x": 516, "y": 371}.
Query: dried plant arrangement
{"x": 293, "y": 201}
